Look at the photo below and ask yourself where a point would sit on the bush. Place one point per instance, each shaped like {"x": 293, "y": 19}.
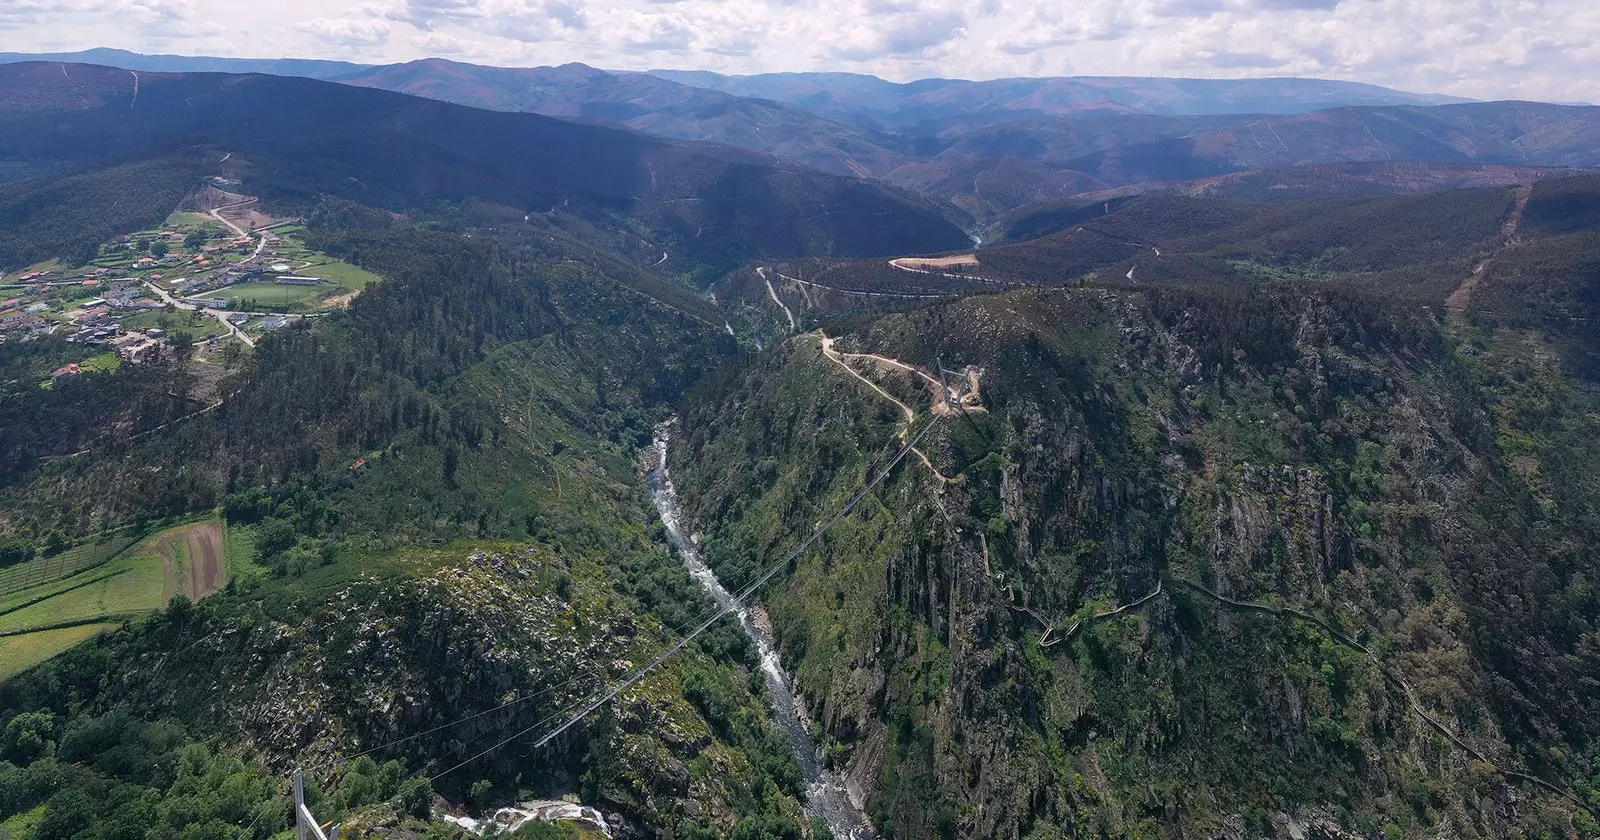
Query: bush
{"x": 416, "y": 798}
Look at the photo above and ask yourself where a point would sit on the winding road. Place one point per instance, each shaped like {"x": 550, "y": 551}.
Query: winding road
{"x": 839, "y": 358}
{"x": 773, "y": 293}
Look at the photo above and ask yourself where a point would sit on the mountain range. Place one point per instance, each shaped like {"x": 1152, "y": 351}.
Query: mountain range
{"x": 306, "y": 137}
{"x": 989, "y": 147}
{"x": 1242, "y": 483}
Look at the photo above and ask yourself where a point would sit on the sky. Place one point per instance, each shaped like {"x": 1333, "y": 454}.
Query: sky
{"x": 1485, "y": 49}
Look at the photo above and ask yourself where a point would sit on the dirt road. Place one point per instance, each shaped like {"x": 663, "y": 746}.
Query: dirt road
{"x": 839, "y": 359}
{"x": 1461, "y": 298}
{"x": 773, "y": 293}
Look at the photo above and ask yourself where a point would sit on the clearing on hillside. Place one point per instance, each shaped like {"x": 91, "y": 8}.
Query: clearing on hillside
{"x": 41, "y": 621}
{"x": 19, "y": 653}
{"x": 194, "y": 559}
{"x": 935, "y": 263}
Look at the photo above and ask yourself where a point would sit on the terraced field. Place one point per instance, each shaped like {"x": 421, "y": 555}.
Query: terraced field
{"x": 59, "y": 601}
{"x": 46, "y": 570}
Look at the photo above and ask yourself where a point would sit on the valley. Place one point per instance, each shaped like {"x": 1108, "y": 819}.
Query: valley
{"x": 1224, "y": 483}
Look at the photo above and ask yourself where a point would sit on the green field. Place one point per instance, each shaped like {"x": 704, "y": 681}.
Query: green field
{"x": 187, "y": 220}
{"x": 130, "y": 584}
{"x": 102, "y": 362}
{"x": 45, "y": 570}
{"x": 81, "y": 592}
{"x": 352, "y": 278}
{"x": 269, "y": 294}
{"x": 241, "y": 546}
{"x": 197, "y": 324}
{"x": 19, "y": 653}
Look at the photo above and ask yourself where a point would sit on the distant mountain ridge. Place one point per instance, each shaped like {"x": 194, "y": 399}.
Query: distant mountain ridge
{"x": 647, "y": 103}
{"x": 311, "y": 68}
{"x": 986, "y": 148}
{"x": 307, "y": 138}
{"x": 847, "y": 95}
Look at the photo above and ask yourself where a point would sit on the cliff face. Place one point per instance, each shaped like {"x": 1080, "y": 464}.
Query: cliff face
{"x": 1211, "y": 564}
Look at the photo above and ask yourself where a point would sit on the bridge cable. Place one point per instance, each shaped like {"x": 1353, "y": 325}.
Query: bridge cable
{"x": 735, "y": 603}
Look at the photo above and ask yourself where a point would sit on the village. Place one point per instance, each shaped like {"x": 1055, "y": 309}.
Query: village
{"x": 218, "y": 272}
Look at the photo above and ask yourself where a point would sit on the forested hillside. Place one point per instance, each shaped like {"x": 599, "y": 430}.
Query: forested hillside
{"x": 1202, "y": 517}
{"x": 1272, "y": 541}
{"x": 292, "y": 140}
{"x": 1368, "y": 604}
{"x": 488, "y": 391}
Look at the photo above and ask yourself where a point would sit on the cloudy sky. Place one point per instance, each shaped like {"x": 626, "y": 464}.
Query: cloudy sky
{"x": 1534, "y": 49}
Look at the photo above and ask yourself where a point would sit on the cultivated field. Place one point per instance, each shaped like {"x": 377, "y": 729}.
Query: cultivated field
{"x": 91, "y": 588}
{"x": 194, "y": 560}
{"x": 45, "y": 570}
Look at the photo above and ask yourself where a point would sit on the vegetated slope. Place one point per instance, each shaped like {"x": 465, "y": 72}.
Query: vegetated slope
{"x": 306, "y": 138}
{"x": 71, "y": 215}
{"x": 1339, "y": 235}
{"x": 1418, "y": 247}
{"x": 487, "y": 389}
{"x": 1548, "y": 280}
{"x": 1329, "y": 180}
{"x": 987, "y": 187}
{"x": 296, "y": 674}
{"x": 401, "y": 364}
{"x": 868, "y": 97}
{"x": 1358, "y": 596}
{"x": 1522, "y": 133}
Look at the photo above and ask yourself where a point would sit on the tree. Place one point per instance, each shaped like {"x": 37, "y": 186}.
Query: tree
{"x": 275, "y": 537}
{"x": 452, "y": 460}
{"x": 181, "y": 342}
{"x": 158, "y": 248}
{"x": 28, "y": 736}
{"x": 479, "y": 794}
{"x": 416, "y": 798}
{"x": 14, "y": 551}
{"x": 195, "y": 238}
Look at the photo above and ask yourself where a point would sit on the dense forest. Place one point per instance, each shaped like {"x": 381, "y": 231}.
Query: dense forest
{"x": 1270, "y": 519}
{"x": 1360, "y": 547}
{"x": 493, "y": 391}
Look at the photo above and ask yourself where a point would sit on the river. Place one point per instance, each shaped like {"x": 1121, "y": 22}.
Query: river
{"x": 826, "y": 796}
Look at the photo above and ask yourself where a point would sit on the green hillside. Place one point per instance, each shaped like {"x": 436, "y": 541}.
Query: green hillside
{"x": 1350, "y": 524}
{"x": 1215, "y": 518}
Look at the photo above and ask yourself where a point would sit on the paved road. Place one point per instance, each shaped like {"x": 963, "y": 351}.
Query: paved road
{"x": 221, "y": 316}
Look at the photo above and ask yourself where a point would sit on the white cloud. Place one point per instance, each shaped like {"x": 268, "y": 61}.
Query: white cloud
{"x": 1484, "y": 48}
{"x": 357, "y": 32}
{"x": 440, "y": 44}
